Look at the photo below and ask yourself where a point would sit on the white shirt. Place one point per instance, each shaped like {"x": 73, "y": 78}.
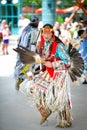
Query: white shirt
{"x": 22, "y": 23}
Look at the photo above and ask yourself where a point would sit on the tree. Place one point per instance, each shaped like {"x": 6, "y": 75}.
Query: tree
{"x": 60, "y": 3}
{"x": 31, "y": 3}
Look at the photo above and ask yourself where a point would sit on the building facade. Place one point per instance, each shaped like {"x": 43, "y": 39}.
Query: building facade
{"x": 10, "y": 11}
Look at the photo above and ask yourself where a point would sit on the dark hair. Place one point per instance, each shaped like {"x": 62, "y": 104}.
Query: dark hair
{"x": 86, "y": 30}
{"x": 58, "y": 40}
{"x": 48, "y": 25}
{"x": 80, "y": 32}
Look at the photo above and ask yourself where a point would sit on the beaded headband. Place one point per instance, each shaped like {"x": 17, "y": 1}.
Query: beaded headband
{"x": 47, "y": 29}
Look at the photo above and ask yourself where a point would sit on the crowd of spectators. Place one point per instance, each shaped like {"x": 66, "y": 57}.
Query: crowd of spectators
{"x": 70, "y": 31}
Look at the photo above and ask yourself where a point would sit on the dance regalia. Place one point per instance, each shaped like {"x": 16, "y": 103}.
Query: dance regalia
{"x": 28, "y": 40}
{"x": 51, "y": 89}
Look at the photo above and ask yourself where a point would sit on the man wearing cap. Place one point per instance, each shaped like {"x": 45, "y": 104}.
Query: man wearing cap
{"x": 28, "y": 40}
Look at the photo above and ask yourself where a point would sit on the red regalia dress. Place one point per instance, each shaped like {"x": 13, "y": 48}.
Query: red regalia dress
{"x": 51, "y": 90}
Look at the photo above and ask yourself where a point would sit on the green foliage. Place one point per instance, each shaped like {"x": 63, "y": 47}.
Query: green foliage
{"x": 36, "y": 3}
{"x": 27, "y": 16}
{"x": 63, "y": 3}
{"x": 60, "y": 19}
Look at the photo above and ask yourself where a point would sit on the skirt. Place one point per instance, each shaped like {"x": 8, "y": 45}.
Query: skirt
{"x": 54, "y": 93}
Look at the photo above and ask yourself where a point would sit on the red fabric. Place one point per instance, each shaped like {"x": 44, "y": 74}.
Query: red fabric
{"x": 50, "y": 71}
{"x": 42, "y": 41}
{"x": 52, "y": 52}
{"x": 54, "y": 46}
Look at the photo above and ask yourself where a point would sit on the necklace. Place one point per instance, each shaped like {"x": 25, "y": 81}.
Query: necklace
{"x": 46, "y": 49}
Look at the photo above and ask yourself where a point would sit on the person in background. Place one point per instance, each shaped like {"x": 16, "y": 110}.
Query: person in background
{"x": 74, "y": 30}
{"x": 83, "y": 51}
{"x": 22, "y": 23}
{"x": 57, "y": 29}
{"x": 2, "y": 24}
{"x": 84, "y": 22}
{"x": 5, "y": 43}
{"x": 1, "y": 31}
{"x": 65, "y": 35}
{"x": 28, "y": 39}
{"x": 40, "y": 25}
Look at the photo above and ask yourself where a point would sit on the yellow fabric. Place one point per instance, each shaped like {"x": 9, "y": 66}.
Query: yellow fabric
{"x": 25, "y": 69}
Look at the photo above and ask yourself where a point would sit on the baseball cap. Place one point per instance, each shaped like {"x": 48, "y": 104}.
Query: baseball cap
{"x": 34, "y": 19}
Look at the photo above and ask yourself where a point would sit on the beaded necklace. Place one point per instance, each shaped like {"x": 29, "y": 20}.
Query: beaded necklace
{"x": 46, "y": 49}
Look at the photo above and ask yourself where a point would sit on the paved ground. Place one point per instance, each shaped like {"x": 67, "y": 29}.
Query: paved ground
{"x": 19, "y": 113}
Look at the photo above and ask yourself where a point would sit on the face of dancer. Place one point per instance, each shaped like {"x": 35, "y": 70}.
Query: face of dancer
{"x": 47, "y": 33}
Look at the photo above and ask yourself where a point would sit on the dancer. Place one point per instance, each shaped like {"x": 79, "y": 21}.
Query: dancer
{"x": 51, "y": 89}
{"x": 28, "y": 39}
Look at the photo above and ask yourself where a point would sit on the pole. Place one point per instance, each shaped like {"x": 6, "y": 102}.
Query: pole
{"x": 48, "y": 11}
